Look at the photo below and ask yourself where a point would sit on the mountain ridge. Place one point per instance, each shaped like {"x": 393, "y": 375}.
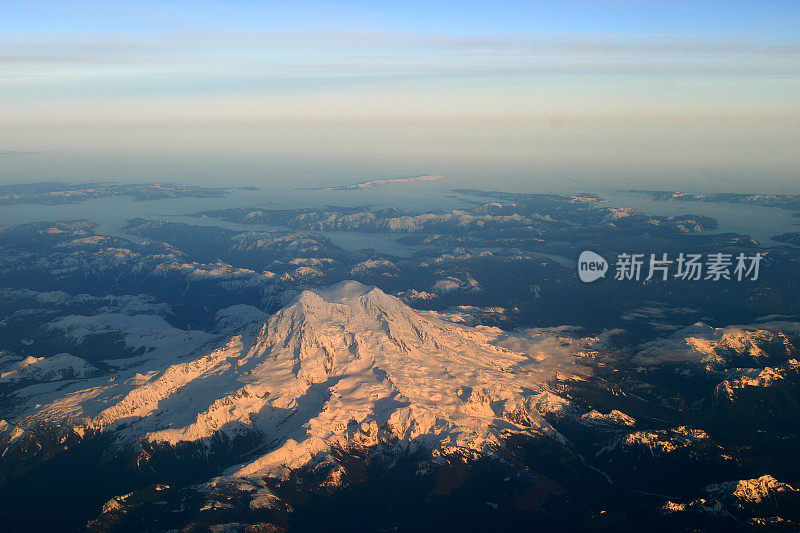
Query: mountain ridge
{"x": 343, "y": 366}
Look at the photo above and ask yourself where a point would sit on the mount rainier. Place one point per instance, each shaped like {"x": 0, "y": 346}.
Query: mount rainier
{"x": 344, "y": 367}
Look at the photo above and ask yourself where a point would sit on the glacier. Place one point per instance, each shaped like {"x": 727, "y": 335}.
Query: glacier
{"x": 343, "y": 367}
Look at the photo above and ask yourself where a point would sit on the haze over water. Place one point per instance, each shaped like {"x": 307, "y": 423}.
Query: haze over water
{"x": 521, "y": 96}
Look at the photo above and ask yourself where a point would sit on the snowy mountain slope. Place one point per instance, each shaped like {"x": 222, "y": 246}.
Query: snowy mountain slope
{"x": 150, "y": 335}
{"x": 345, "y": 366}
{"x": 701, "y": 343}
{"x": 58, "y": 367}
{"x": 750, "y": 491}
{"x": 765, "y": 500}
{"x": 157, "y": 344}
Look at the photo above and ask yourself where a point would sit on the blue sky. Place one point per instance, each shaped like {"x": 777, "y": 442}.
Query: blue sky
{"x": 492, "y": 83}
{"x": 768, "y": 19}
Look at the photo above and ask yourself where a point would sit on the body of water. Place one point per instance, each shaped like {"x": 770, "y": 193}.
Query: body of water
{"x": 112, "y": 214}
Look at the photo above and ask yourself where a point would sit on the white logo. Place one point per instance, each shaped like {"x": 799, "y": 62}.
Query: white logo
{"x": 591, "y": 266}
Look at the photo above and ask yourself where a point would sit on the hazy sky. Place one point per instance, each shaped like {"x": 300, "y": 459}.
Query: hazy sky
{"x": 686, "y": 89}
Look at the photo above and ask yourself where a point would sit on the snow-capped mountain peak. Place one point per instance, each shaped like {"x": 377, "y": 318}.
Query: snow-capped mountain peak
{"x": 344, "y": 366}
